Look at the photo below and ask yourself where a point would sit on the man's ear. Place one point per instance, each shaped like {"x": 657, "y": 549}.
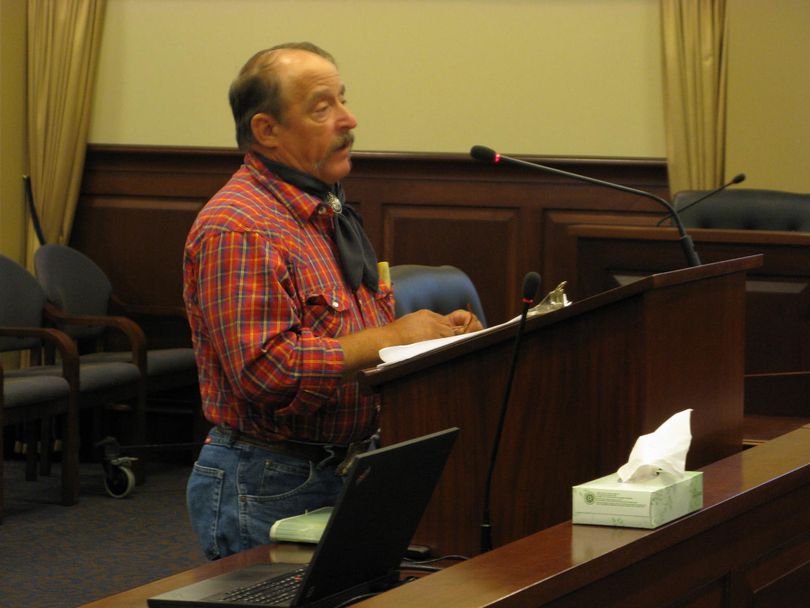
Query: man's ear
{"x": 264, "y": 129}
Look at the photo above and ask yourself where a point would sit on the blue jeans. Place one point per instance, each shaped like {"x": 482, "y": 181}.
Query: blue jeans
{"x": 237, "y": 491}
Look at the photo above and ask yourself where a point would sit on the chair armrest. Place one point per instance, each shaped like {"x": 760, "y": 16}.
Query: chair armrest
{"x": 67, "y": 348}
{"x": 130, "y": 329}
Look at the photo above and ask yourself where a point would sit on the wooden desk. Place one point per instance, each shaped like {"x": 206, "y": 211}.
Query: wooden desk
{"x": 136, "y": 598}
{"x": 748, "y": 546}
{"x": 751, "y": 541}
{"x": 777, "y": 358}
{"x": 761, "y": 429}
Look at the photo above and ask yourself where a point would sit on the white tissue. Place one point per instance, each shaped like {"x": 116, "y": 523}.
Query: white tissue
{"x": 662, "y": 450}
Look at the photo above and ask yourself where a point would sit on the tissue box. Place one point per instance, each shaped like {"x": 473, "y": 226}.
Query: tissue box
{"x": 639, "y": 504}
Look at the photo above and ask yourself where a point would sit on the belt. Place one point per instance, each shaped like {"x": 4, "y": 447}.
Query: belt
{"x": 308, "y": 451}
{"x": 315, "y": 452}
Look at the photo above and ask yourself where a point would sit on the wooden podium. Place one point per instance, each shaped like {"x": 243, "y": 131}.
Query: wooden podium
{"x": 590, "y": 379}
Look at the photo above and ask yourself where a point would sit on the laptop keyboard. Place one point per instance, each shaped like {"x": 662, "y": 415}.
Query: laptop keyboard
{"x": 272, "y": 591}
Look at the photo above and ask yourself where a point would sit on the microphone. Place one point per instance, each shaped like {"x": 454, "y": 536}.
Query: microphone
{"x": 531, "y": 283}
{"x": 489, "y": 155}
{"x": 740, "y": 177}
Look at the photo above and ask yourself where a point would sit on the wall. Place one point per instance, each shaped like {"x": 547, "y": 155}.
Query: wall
{"x": 549, "y": 77}
{"x": 544, "y": 77}
{"x": 769, "y": 87}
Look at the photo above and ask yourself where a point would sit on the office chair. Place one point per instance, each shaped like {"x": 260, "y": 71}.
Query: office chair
{"x": 441, "y": 289}
{"x": 745, "y": 209}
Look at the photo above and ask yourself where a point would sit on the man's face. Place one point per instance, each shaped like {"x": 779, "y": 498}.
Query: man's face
{"x": 315, "y": 135}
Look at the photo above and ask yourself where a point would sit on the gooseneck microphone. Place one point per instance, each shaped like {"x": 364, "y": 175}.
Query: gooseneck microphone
{"x": 531, "y": 283}
{"x": 489, "y": 155}
{"x": 739, "y": 178}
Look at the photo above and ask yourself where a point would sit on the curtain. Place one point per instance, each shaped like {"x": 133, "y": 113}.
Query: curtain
{"x": 63, "y": 42}
{"x": 695, "y": 41}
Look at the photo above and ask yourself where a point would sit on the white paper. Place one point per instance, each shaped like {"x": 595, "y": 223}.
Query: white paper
{"x": 662, "y": 450}
{"x": 393, "y": 354}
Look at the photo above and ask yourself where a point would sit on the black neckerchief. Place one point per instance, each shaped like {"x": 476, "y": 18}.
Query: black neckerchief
{"x": 357, "y": 258}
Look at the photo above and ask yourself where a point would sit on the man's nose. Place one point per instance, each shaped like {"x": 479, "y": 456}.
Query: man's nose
{"x": 347, "y": 119}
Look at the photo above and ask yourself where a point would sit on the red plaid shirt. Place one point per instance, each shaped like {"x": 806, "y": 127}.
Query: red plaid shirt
{"x": 266, "y": 299}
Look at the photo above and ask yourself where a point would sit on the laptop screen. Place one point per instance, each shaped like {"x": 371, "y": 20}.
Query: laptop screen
{"x": 376, "y": 515}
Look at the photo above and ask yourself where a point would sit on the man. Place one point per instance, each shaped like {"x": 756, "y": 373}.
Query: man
{"x": 285, "y": 305}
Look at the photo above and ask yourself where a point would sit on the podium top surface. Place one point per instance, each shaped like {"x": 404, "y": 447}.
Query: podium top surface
{"x": 372, "y": 377}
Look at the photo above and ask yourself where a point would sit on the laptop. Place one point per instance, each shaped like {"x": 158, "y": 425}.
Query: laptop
{"x": 376, "y": 515}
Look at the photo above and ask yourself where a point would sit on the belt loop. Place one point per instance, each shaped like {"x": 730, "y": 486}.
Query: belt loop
{"x": 229, "y": 436}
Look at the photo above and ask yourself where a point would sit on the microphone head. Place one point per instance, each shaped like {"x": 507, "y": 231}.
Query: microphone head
{"x": 738, "y": 178}
{"x": 485, "y": 154}
{"x": 531, "y": 283}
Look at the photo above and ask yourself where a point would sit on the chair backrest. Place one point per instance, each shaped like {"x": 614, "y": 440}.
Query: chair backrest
{"x": 442, "y": 289}
{"x": 74, "y": 283}
{"x": 21, "y": 303}
{"x": 746, "y": 209}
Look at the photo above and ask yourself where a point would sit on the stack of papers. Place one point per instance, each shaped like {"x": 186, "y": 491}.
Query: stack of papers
{"x": 305, "y": 528}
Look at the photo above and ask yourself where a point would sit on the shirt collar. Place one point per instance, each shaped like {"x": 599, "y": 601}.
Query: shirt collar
{"x": 329, "y": 194}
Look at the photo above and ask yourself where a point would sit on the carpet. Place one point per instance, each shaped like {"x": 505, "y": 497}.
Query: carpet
{"x": 55, "y": 556}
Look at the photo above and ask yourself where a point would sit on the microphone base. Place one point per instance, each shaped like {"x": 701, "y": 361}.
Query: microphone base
{"x": 688, "y": 247}
{"x": 486, "y": 538}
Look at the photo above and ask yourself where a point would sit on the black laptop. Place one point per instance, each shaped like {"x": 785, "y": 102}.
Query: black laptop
{"x": 376, "y": 515}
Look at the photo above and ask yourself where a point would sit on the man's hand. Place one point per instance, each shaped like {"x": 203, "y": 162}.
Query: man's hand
{"x": 360, "y": 350}
{"x": 420, "y": 325}
{"x": 464, "y": 322}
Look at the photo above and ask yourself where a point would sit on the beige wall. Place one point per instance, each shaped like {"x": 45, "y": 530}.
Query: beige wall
{"x": 551, "y": 77}
{"x": 769, "y": 93}
{"x": 12, "y": 127}
{"x": 548, "y": 77}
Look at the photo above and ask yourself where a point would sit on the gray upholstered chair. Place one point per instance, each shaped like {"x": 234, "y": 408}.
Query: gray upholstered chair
{"x": 101, "y": 385}
{"x": 441, "y": 289}
{"x": 30, "y": 401}
{"x": 745, "y": 209}
{"x": 83, "y": 305}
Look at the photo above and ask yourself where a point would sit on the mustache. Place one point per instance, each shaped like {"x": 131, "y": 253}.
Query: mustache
{"x": 344, "y": 141}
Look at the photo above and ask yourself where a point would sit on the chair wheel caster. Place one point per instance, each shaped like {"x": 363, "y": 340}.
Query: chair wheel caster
{"x": 119, "y": 481}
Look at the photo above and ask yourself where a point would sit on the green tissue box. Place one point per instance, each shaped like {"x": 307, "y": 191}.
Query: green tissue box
{"x": 639, "y": 504}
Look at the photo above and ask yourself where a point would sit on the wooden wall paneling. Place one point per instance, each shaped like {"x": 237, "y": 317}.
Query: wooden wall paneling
{"x": 784, "y": 342}
{"x": 379, "y": 180}
{"x": 137, "y": 203}
{"x": 135, "y": 208}
{"x": 482, "y": 242}
{"x": 154, "y": 231}
{"x": 560, "y": 247}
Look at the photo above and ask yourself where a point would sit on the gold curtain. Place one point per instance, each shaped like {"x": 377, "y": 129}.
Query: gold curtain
{"x": 695, "y": 41}
{"x": 63, "y": 41}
